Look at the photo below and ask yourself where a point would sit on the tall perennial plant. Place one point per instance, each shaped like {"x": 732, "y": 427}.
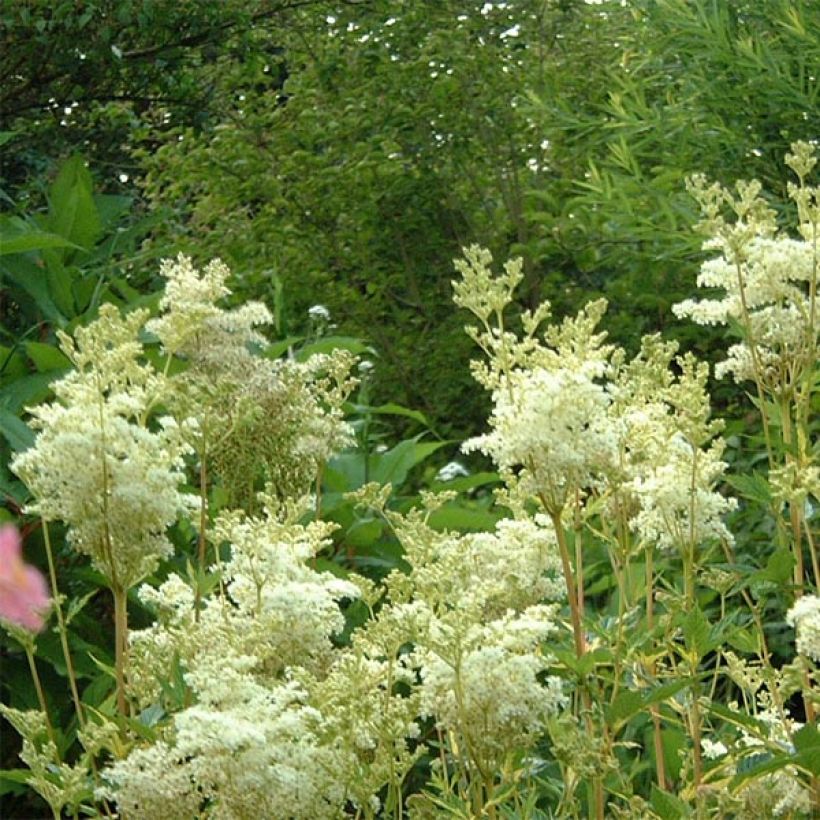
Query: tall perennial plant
{"x": 610, "y": 649}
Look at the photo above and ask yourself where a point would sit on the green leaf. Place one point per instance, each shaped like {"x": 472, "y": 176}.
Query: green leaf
{"x": 275, "y": 350}
{"x": 740, "y": 719}
{"x": 744, "y": 640}
{"x": 73, "y": 213}
{"x": 807, "y": 745}
{"x": 696, "y": 632}
{"x": 15, "y": 431}
{"x": 47, "y": 357}
{"x": 33, "y": 280}
{"x": 364, "y": 533}
{"x": 755, "y": 487}
{"x": 30, "y": 240}
{"x": 344, "y": 473}
{"x": 628, "y": 703}
{"x": 625, "y": 705}
{"x": 25, "y": 391}
{"x": 327, "y": 344}
{"x": 468, "y": 482}
{"x": 668, "y": 805}
{"x": 107, "y": 669}
{"x": 14, "y": 781}
{"x": 458, "y": 518}
{"x": 393, "y": 466}
{"x": 392, "y": 409}
{"x": 778, "y": 569}
{"x": 112, "y": 208}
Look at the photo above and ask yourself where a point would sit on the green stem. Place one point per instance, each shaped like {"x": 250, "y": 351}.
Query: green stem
{"x": 569, "y": 579}
{"x": 41, "y": 698}
{"x": 577, "y": 630}
{"x": 120, "y": 644}
{"x": 660, "y": 767}
{"x": 203, "y": 523}
{"x": 689, "y": 561}
{"x": 61, "y": 628}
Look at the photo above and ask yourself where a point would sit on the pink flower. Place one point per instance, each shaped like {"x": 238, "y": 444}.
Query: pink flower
{"x": 24, "y": 598}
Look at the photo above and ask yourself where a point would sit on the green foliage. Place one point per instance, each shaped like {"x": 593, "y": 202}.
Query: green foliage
{"x": 339, "y": 154}
{"x": 638, "y": 98}
{"x": 56, "y": 268}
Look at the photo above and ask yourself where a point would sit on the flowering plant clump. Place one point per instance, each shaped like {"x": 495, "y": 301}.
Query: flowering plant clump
{"x": 608, "y": 647}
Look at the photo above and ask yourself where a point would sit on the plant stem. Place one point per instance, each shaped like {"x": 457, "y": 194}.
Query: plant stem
{"x": 660, "y": 767}
{"x": 41, "y": 698}
{"x": 577, "y": 630}
{"x": 203, "y": 522}
{"x": 61, "y": 628}
{"x": 120, "y": 644}
{"x": 574, "y": 610}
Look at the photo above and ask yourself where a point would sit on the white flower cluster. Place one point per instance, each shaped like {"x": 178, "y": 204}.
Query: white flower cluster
{"x": 572, "y": 416}
{"x": 251, "y": 743}
{"x": 473, "y": 609}
{"x": 258, "y": 755}
{"x": 767, "y": 280}
{"x": 192, "y": 325}
{"x": 261, "y": 421}
{"x": 677, "y": 503}
{"x": 277, "y": 609}
{"x": 555, "y": 424}
{"x": 97, "y": 465}
{"x": 804, "y": 616}
{"x": 484, "y": 682}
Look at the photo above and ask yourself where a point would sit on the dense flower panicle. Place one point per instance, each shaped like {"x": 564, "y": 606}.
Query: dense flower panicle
{"x": 97, "y": 464}
{"x": 768, "y": 280}
{"x": 253, "y": 742}
{"x": 571, "y": 415}
{"x": 555, "y": 424}
{"x": 678, "y": 505}
{"x": 192, "y": 324}
{"x": 484, "y": 683}
{"x": 804, "y": 616}
{"x": 258, "y": 756}
{"x": 261, "y": 422}
{"x": 24, "y": 597}
{"x": 278, "y": 611}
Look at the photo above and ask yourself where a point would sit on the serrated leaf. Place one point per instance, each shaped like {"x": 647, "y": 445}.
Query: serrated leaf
{"x": 779, "y": 568}
{"x": 696, "y": 632}
{"x": 755, "y": 487}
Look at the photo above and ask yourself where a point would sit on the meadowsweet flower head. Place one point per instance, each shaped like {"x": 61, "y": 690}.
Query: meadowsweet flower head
{"x": 24, "y": 598}
{"x": 192, "y": 324}
{"x": 555, "y": 424}
{"x": 766, "y": 278}
{"x": 98, "y": 463}
{"x": 804, "y": 616}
